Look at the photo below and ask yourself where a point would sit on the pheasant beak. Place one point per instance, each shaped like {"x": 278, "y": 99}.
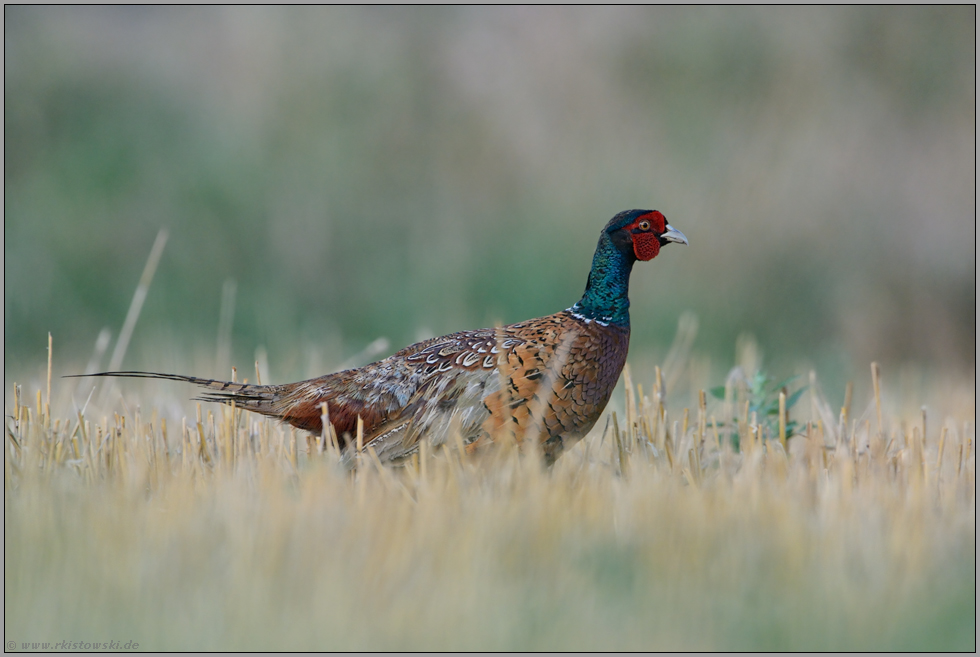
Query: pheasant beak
{"x": 672, "y": 235}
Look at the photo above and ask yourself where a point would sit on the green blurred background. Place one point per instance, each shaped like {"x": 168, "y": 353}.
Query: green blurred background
{"x": 401, "y": 173}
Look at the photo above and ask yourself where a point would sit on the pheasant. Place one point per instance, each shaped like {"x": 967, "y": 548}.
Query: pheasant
{"x": 546, "y": 379}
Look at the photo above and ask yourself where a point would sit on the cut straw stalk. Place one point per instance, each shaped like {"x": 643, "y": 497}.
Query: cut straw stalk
{"x": 324, "y": 426}
{"x": 942, "y": 445}
{"x": 875, "y": 380}
{"x": 782, "y": 419}
{"x": 47, "y": 407}
{"x": 630, "y": 405}
{"x": 618, "y": 442}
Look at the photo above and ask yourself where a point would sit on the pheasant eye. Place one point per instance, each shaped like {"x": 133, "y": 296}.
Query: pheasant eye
{"x": 644, "y": 225}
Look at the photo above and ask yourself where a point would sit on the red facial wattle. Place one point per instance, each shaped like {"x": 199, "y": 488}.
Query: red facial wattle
{"x": 646, "y": 243}
{"x": 646, "y": 246}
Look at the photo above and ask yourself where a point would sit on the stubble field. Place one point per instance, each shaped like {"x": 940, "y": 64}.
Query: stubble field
{"x": 665, "y": 529}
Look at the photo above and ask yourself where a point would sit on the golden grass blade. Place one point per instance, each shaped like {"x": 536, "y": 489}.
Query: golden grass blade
{"x": 875, "y": 379}
{"x": 47, "y": 404}
{"x": 136, "y": 305}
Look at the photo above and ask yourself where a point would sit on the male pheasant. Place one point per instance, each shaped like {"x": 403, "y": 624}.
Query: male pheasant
{"x": 547, "y": 379}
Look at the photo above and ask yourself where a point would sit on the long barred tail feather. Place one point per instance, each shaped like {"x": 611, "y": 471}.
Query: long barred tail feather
{"x": 258, "y": 398}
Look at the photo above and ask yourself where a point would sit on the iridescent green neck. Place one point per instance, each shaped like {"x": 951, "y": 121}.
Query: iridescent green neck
{"x": 606, "y": 297}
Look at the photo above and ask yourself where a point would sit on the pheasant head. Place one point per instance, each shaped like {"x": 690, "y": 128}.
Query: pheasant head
{"x": 629, "y": 236}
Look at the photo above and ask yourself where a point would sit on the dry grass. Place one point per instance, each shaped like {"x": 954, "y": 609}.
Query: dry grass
{"x": 227, "y": 531}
